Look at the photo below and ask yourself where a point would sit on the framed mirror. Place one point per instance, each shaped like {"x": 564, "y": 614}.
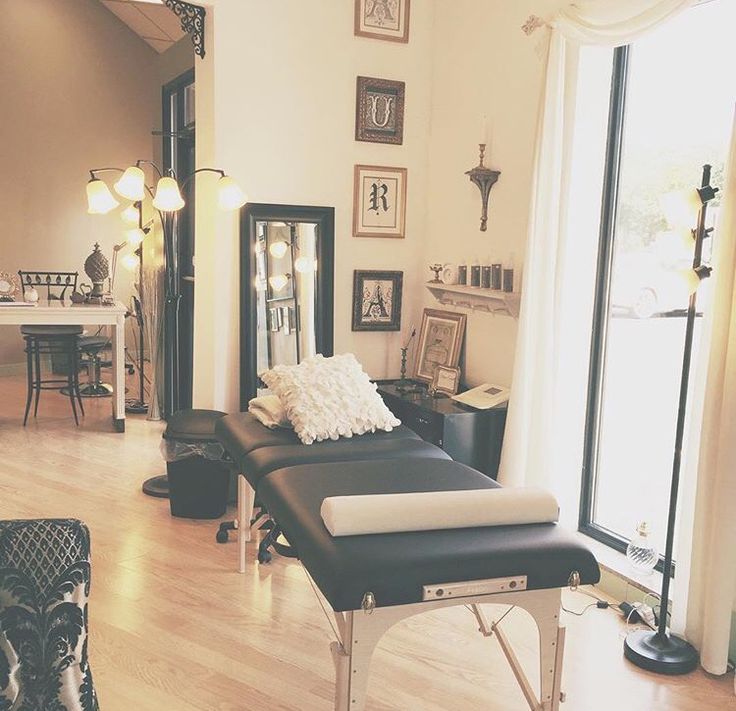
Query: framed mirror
{"x": 287, "y": 255}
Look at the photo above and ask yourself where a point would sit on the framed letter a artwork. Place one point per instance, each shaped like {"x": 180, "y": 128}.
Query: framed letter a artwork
{"x": 379, "y": 202}
{"x": 382, "y": 19}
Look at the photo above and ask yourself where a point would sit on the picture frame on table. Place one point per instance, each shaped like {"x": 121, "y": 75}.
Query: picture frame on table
{"x": 379, "y": 201}
{"x": 446, "y": 380}
{"x": 382, "y": 19}
{"x": 440, "y": 343}
{"x": 377, "y": 300}
{"x": 379, "y": 110}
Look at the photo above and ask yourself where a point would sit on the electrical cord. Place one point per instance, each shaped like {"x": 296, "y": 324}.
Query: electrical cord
{"x": 601, "y": 605}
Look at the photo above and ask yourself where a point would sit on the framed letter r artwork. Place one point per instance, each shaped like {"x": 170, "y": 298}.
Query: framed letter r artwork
{"x": 379, "y": 201}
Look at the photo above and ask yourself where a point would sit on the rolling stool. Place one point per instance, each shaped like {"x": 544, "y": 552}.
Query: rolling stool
{"x": 92, "y": 347}
{"x": 50, "y": 340}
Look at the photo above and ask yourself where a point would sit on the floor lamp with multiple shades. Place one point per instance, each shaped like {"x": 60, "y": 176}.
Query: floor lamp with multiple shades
{"x": 659, "y": 650}
{"x": 167, "y": 201}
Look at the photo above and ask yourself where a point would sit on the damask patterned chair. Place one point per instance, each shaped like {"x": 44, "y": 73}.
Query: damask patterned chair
{"x": 44, "y": 588}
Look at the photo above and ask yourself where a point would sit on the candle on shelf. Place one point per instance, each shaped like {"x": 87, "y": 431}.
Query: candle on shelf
{"x": 508, "y": 275}
{"x": 496, "y": 276}
{"x": 475, "y": 273}
{"x": 485, "y": 274}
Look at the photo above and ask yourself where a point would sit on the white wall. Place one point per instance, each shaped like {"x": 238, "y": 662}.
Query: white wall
{"x": 280, "y": 77}
{"x": 77, "y": 91}
{"x": 484, "y": 65}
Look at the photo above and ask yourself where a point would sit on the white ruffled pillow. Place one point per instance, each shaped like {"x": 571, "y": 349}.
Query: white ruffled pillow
{"x": 328, "y": 398}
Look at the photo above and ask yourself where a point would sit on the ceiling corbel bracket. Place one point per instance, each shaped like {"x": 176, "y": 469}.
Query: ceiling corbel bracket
{"x": 192, "y": 22}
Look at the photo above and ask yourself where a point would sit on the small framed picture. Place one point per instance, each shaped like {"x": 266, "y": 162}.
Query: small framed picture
{"x": 377, "y": 300}
{"x": 379, "y": 110}
{"x": 382, "y": 19}
{"x": 379, "y": 201}
{"x": 446, "y": 380}
{"x": 440, "y": 342}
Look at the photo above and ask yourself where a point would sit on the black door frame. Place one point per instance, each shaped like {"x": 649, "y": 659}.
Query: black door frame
{"x": 181, "y": 395}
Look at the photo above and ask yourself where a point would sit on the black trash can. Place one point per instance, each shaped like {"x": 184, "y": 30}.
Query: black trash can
{"x": 198, "y": 475}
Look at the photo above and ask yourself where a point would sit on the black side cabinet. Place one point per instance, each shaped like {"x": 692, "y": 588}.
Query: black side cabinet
{"x": 473, "y": 437}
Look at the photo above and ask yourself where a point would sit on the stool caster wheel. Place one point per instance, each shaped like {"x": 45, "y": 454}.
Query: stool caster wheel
{"x": 222, "y": 531}
{"x": 264, "y": 557}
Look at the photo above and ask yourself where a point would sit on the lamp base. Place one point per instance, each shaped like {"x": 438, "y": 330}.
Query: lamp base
{"x": 662, "y": 654}
{"x": 157, "y": 486}
{"x": 136, "y": 407}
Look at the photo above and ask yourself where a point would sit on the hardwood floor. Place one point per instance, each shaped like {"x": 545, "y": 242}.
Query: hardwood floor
{"x": 173, "y": 628}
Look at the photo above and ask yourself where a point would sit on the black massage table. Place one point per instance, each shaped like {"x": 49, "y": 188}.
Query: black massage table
{"x": 374, "y": 581}
{"x": 257, "y": 451}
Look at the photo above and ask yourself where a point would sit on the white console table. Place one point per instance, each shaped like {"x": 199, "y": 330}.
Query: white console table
{"x": 64, "y": 313}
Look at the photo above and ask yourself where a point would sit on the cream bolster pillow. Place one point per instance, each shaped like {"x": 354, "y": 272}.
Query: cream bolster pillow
{"x": 436, "y": 510}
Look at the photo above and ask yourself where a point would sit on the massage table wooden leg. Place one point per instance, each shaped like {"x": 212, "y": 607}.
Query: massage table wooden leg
{"x": 360, "y": 635}
{"x": 246, "y": 502}
{"x": 360, "y": 631}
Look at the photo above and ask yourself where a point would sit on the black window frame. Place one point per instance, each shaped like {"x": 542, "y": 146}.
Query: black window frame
{"x": 601, "y": 305}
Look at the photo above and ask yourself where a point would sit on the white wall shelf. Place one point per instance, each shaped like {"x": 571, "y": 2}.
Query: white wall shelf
{"x": 475, "y": 298}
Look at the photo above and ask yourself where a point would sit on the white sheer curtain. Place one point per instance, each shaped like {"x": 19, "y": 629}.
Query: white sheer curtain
{"x": 706, "y": 557}
{"x": 543, "y": 446}
{"x": 539, "y": 443}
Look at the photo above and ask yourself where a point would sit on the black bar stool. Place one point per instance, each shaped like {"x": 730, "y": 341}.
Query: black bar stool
{"x": 93, "y": 347}
{"x": 51, "y": 340}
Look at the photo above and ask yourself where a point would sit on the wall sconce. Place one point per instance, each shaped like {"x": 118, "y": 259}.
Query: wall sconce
{"x": 484, "y": 178}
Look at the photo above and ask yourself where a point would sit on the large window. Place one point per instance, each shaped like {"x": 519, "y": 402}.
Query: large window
{"x": 672, "y": 103}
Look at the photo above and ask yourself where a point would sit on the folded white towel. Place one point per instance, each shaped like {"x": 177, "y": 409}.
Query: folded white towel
{"x": 269, "y": 411}
{"x": 435, "y": 510}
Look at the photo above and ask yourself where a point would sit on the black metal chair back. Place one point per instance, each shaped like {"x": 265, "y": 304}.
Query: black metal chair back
{"x": 56, "y": 283}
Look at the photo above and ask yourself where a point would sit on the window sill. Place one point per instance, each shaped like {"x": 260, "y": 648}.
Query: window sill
{"x": 617, "y": 565}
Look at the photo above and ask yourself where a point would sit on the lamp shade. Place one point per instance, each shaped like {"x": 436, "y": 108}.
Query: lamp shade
{"x": 131, "y": 184}
{"x": 130, "y": 215}
{"x": 681, "y": 207}
{"x": 278, "y": 249}
{"x": 130, "y": 262}
{"x": 229, "y": 194}
{"x": 99, "y": 198}
{"x": 135, "y": 237}
{"x": 690, "y": 280}
{"x": 168, "y": 198}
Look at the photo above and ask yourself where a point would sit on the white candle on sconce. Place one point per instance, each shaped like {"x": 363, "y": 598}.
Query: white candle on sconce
{"x": 486, "y": 138}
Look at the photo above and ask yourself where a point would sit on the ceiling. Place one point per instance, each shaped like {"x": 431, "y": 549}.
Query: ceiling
{"x": 149, "y": 19}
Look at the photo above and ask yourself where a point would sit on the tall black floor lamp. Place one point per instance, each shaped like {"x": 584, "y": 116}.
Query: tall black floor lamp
{"x": 167, "y": 201}
{"x": 659, "y": 650}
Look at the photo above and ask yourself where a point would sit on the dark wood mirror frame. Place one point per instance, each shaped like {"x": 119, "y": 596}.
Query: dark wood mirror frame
{"x": 250, "y": 214}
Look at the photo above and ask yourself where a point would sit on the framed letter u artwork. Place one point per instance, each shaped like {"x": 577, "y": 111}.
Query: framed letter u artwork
{"x": 379, "y": 201}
